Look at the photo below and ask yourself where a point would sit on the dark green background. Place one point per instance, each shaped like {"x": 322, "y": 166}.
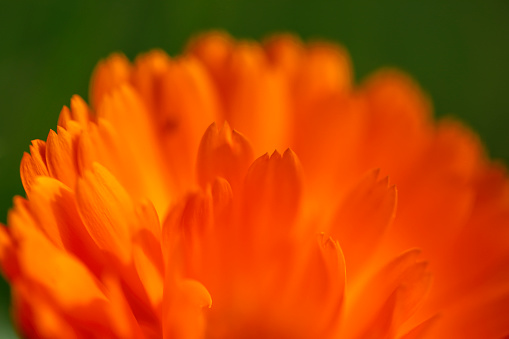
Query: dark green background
{"x": 457, "y": 51}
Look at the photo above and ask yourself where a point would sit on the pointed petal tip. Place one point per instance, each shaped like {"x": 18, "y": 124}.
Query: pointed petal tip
{"x": 275, "y": 155}
{"x": 226, "y": 126}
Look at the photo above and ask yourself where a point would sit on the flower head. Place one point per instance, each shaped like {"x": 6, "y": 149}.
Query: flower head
{"x": 247, "y": 190}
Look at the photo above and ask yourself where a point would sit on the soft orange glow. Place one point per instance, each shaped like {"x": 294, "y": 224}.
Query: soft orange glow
{"x": 247, "y": 190}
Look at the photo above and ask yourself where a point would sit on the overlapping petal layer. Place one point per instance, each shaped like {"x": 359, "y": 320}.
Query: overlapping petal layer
{"x": 251, "y": 190}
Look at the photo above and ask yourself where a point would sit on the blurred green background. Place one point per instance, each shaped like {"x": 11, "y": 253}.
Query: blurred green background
{"x": 457, "y": 50}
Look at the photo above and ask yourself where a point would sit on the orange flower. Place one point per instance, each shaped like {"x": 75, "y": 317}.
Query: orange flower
{"x": 149, "y": 216}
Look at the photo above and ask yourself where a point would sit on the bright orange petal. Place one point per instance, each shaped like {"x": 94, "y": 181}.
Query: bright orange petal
{"x": 107, "y": 212}
{"x": 223, "y": 153}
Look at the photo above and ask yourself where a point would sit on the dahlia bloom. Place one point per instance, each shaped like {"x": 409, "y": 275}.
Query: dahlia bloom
{"x": 156, "y": 212}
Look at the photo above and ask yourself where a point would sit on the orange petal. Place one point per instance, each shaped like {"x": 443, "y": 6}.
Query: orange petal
{"x": 21, "y": 221}
{"x": 100, "y": 143}
{"x": 272, "y": 195}
{"x": 197, "y": 236}
{"x": 287, "y": 53}
{"x": 213, "y": 50}
{"x": 37, "y": 317}
{"x": 61, "y": 156}
{"x": 223, "y": 153}
{"x": 189, "y": 227}
{"x": 65, "y": 117}
{"x": 76, "y": 119}
{"x": 376, "y": 297}
{"x": 362, "y": 219}
{"x": 65, "y": 278}
{"x": 315, "y": 291}
{"x": 54, "y": 208}
{"x": 449, "y": 166}
{"x": 413, "y": 289}
{"x": 148, "y": 261}
{"x": 146, "y": 160}
{"x": 107, "y": 212}
{"x": 247, "y": 86}
{"x": 398, "y": 126}
{"x": 183, "y": 299}
{"x": 326, "y": 69}
{"x": 222, "y": 197}
{"x": 188, "y": 105}
{"x": 183, "y": 316}
{"x": 258, "y": 100}
{"x": 80, "y": 112}
{"x": 148, "y": 219}
{"x": 482, "y": 313}
{"x": 8, "y": 256}
{"x": 421, "y": 331}
{"x": 33, "y": 164}
{"x": 108, "y": 75}
{"x": 149, "y": 70}
{"x": 121, "y": 319}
